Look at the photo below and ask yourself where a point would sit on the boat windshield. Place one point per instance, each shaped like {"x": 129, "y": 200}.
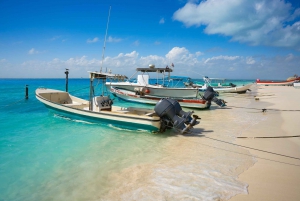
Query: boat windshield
{"x": 215, "y": 82}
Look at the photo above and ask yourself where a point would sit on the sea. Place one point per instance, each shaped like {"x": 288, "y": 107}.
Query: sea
{"x": 44, "y": 156}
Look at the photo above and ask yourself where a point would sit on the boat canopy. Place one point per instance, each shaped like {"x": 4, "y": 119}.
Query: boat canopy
{"x": 100, "y": 75}
{"x": 180, "y": 78}
{"x": 214, "y": 78}
{"x": 153, "y": 70}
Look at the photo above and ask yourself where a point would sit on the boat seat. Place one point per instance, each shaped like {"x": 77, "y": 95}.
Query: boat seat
{"x": 122, "y": 111}
{"x": 150, "y": 114}
{"x": 73, "y": 103}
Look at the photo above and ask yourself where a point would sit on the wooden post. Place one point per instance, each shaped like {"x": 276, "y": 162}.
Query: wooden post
{"x": 91, "y": 93}
{"x": 67, "y": 83}
{"x": 26, "y": 92}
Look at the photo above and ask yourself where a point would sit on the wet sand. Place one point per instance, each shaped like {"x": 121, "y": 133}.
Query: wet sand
{"x": 274, "y": 177}
{"x": 211, "y": 164}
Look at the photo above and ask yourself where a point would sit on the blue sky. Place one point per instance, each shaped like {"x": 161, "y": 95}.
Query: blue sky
{"x": 240, "y": 39}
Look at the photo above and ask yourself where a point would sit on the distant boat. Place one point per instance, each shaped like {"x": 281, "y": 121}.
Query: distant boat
{"x": 218, "y": 84}
{"x": 166, "y": 114}
{"x": 288, "y": 82}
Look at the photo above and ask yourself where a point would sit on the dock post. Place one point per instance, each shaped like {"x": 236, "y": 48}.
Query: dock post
{"x": 67, "y": 73}
{"x": 26, "y": 92}
{"x": 91, "y": 94}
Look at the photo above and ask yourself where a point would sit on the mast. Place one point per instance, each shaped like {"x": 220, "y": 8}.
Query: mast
{"x": 105, "y": 41}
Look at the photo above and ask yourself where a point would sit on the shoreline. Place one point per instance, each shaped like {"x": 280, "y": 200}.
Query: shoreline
{"x": 273, "y": 176}
{"x": 200, "y": 165}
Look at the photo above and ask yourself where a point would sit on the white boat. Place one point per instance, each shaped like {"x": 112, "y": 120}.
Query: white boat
{"x": 229, "y": 89}
{"x": 148, "y": 99}
{"x": 160, "y": 89}
{"x": 288, "y": 82}
{"x": 100, "y": 108}
{"x": 218, "y": 85}
{"x": 297, "y": 84}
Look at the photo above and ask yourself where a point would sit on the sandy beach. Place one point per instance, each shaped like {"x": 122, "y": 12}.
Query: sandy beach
{"x": 274, "y": 177}
{"x": 214, "y": 163}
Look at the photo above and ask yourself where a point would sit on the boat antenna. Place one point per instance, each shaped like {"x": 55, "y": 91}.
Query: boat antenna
{"x": 105, "y": 41}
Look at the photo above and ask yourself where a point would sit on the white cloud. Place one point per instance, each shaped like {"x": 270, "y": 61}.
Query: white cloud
{"x": 186, "y": 64}
{"x": 257, "y": 22}
{"x": 250, "y": 60}
{"x": 113, "y": 40}
{"x": 221, "y": 57}
{"x": 96, "y": 39}
{"x": 136, "y": 43}
{"x": 232, "y": 69}
{"x": 158, "y": 61}
{"x": 33, "y": 51}
{"x": 55, "y": 38}
{"x": 176, "y": 53}
{"x": 162, "y": 21}
{"x": 157, "y": 43}
{"x": 290, "y": 57}
{"x": 198, "y": 54}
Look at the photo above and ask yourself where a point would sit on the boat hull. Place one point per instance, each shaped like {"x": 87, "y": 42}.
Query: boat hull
{"x": 115, "y": 118}
{"x": 158, "y": 90}
{"x": 132, "y": 97}
{"x": 237, "y": 89}
{"x": 275, "y": 83}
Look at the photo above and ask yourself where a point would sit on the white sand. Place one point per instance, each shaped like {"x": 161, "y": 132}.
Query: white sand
{"x": 208, "y": 165}
{"x": 278, "y": 179}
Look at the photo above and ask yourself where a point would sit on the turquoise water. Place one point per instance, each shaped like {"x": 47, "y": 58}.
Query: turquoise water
{"x": 37, "y": 148}
{"x": 47, "y": 157}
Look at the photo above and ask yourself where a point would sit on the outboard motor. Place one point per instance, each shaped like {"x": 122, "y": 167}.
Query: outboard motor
{"x": 232, "y": 85}
{"x": 210, "y": 95}
{"x": 172, "y": 115}
{"x": 179, "y": 111}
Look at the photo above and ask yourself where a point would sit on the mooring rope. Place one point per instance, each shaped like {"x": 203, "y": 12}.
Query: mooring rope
{"x": 264, "y": 110}
{"x": 253, "y": 148}
{"x": 14, "y": 103}
{"x": 273, "y": 137}
{"x": 247, "y": 154}
{"x": 190, "y": 132}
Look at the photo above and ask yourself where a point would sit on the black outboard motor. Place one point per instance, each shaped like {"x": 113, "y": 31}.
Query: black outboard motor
{"x": 210, "y": 95}
{"x": 179, "y": 111}
{"x": 172, "y": 115}
{"x": 232, "y": 85}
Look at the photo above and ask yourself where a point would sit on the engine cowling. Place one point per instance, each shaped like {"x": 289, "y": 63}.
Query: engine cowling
{"x": 170, "y": 112}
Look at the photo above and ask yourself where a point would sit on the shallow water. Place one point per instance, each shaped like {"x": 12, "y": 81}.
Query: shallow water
{"x": 47, "y": 157}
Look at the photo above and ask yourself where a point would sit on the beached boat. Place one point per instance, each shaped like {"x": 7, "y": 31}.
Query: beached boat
{"x": 219, "y": 85}
{"x": 297, "y": 84}
{"x": 229, "y": 89}
{"x": 166, "y": 114}
{"x": 162, "y": 87}
{"x": 289, "y": 82}
{"x": 196, "y": 103}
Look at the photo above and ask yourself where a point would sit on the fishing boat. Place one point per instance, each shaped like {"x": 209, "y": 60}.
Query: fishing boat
{"x": 197, "y": 103}
{"x": 161, "y": 88}
{"x": 297, "y": 84}
{"x": 289, "y": 82}
{"x": 219, "y": 85}
{"x": 167, "y": 113}
{"x": 274, "y": 83}
{"x": 229, "y": 89}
